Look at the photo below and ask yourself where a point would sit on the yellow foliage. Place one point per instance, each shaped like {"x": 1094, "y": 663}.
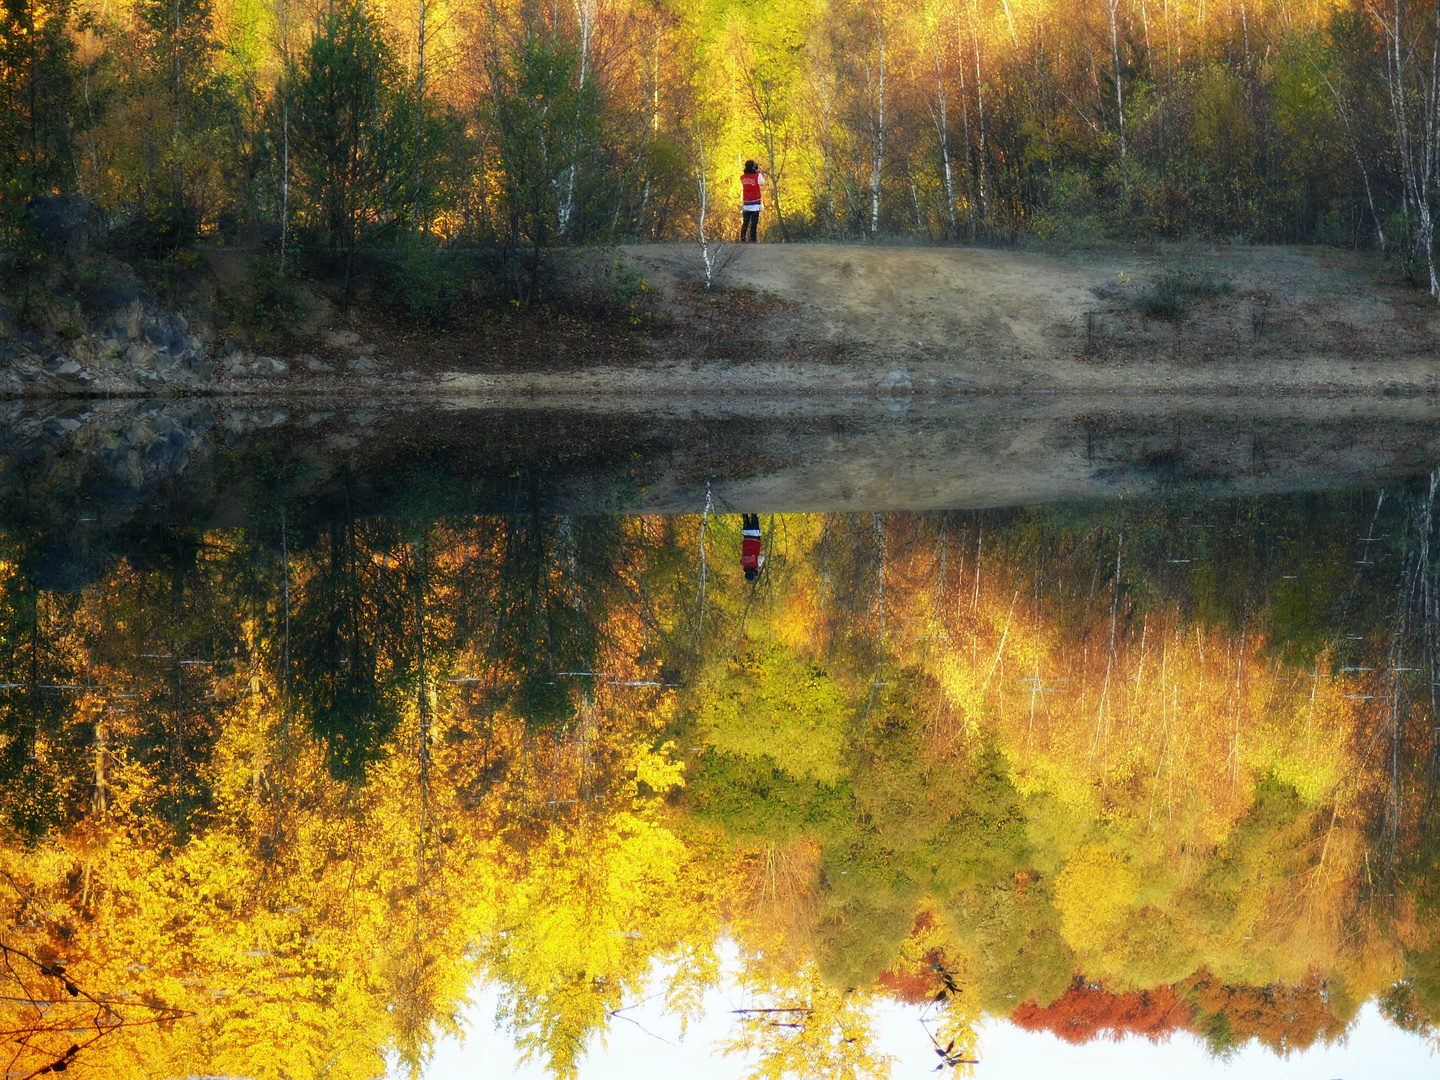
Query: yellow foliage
{"x": 797, "y": 1027}
{"x": 1093, "y": 893}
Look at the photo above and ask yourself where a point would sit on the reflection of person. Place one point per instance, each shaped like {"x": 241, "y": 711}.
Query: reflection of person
{"x": 752, "y": 558}
{"x": 750, "y": 181}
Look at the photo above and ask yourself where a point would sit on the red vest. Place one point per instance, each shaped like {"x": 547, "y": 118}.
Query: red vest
{"x": 749, "y": 187}
{"x": 750, "y": 552}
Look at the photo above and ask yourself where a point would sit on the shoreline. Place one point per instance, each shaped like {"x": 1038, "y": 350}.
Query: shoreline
{"x": 828, "y": 319}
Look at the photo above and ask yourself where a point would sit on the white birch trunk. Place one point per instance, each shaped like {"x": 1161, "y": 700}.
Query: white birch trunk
{"x": 1418, "y": 137}
{"x": 941, "y": 118}
{"x": 585, "y": 20}
{"x": 875, "y": 88}
{"x": 1119, "y": 92}
{"x": 979, "y": 110}
{"x": 709, "y": 254}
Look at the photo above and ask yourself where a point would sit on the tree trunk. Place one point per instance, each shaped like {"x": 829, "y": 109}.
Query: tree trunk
{"x": 875, "y": 89}
{"x": 1417, "y": 137}
{"x": 1343, "y": 110}
{"x": 941, "y": 118}
{"x": 1119, "y": 91}
{"x": 965, "y": 125}
{"x": 417, "y": 166}
{"x": 702, "y": 189}
{"x": 979, "y": 113}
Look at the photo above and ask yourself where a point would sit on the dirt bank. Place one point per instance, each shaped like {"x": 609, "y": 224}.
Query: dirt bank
{"x": 833, "y": 319}
{"x": 923, "y": 322}
{"x": 1175, "y": 319}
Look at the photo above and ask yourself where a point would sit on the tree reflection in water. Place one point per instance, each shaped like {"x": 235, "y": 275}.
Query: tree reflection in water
{"x": 1143, "y": 768}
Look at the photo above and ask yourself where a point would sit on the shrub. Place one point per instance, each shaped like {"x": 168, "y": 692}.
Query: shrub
{"x": 1166, "y": 299}
{"x": 272, "y": 301}
{"x": 424, "y": 284}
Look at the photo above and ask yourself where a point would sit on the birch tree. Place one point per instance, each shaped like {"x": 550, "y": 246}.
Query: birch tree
{"x": 705, "y": 181}
{"x": 938, "y": 105}
{"x": 876, "y": 101}
{"x": 1410, "y": 33}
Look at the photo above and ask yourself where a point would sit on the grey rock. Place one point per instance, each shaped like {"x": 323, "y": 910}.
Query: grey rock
{"x": 361, "y": 365}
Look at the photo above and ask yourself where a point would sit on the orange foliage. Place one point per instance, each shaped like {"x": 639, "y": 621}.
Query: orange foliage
{"x": 917, "y": 987}
{"x": 1284, "y": 1018}
{"x": 1087, "y": 1011}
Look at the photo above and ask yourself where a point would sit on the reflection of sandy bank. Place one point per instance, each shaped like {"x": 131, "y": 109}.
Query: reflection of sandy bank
{"x": 655, "y": 453}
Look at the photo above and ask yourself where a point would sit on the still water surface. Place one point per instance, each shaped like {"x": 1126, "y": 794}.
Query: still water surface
{"x": 316, "y": 794}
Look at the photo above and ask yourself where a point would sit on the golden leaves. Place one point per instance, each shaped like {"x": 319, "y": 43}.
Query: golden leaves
{"x": 1093, "y": 893}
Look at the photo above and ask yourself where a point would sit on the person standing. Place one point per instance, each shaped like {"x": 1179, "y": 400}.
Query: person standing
{"x": 750, "y": 181}
{"x": 752, "y": 554}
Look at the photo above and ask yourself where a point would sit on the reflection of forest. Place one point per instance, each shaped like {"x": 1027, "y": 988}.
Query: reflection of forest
{"x": 274, "y": 799}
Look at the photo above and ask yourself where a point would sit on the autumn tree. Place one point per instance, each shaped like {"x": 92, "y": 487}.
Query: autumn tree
{"x": 38, "y": 97}
{"x": 348, "y": 122}
{"x": 543, "y": 118}
{"x": 192, "y": 99}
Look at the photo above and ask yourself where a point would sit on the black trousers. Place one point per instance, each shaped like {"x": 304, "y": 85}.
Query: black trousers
{"x": 749, "y": 220}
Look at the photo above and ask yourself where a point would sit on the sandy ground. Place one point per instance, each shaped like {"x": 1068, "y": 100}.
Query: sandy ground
{"x": 962, "y": 319}
{"x": 899, "y": 321}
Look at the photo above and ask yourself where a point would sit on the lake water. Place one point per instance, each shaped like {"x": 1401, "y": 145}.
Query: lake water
{"x": 346, "y": 741}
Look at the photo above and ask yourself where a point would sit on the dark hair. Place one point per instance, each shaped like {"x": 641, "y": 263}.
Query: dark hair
{"x": 751, "y": 573}
{"x": 750, "y": 167}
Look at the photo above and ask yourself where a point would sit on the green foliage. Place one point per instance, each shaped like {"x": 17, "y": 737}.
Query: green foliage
{"x": 1228, "y": 900}
{"x": 188, "y": 141}
{"x": 353, "y": 649}
{"x": 1167, "y": 296}
{"x": 272, "y": 301}
{"x": 1013, "y": 943}
{"x": 425, "y": 284}
{"x": 774, "y": 704}
{"x": 1403, "y": 1006}
{"x": 348, "y": 121}
{"x": 545, "y": 123}
{"x": 35, "y": 751}
{"x": 38, "y": 92}
{"x": 755, "y": 801}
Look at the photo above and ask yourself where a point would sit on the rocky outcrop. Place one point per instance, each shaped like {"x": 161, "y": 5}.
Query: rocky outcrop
{"x": 138, "y": 347}
{"x": 88, "y": 326}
